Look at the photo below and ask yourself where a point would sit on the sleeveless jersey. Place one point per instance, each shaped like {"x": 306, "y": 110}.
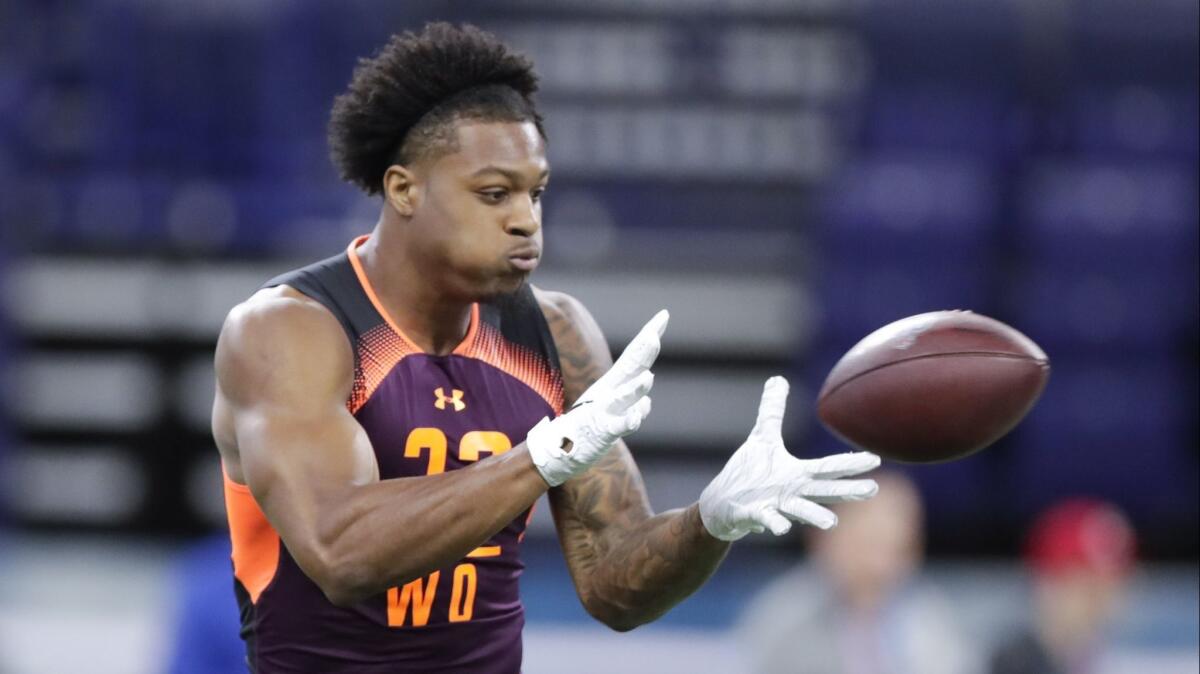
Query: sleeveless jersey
{"x": 424, "y": 414}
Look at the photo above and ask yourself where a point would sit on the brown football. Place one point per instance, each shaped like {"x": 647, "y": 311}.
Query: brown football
{"x": 933, "y": 387}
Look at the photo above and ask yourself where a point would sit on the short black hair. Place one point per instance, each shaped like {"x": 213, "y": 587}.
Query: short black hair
{"x": 401, "y": 103}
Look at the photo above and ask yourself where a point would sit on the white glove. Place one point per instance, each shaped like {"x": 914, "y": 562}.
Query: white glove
{"x": 608, "y": 410}
{"x": 764, "y": 487}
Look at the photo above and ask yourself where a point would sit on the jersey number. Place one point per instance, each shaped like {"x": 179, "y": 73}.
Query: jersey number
{"x": 416, "y": 597}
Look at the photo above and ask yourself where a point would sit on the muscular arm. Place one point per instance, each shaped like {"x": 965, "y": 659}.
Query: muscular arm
{"x": 284, "y": 371}
{"x": 629, "y": 565}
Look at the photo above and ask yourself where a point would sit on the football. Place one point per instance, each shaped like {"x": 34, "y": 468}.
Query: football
{"x": 933, "y": 387}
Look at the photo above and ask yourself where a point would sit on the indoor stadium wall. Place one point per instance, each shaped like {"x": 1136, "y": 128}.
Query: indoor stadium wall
{"x": 784, "y": 176}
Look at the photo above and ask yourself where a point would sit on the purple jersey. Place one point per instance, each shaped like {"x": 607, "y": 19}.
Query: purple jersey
{"x": 424, "y": 415}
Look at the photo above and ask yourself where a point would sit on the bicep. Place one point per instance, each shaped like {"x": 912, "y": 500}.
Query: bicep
{"x": 294, "y": 463}
{"x": 283, "y": 375}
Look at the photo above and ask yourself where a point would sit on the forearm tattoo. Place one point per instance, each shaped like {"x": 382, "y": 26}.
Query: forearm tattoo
{"x": 629, "y": 565}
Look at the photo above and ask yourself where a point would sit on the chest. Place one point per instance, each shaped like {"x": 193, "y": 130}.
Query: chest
{"x": 431, "y": 414}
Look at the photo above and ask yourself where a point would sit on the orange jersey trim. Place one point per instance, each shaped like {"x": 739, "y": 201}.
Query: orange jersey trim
{"x": 472, "y": 328}
{"x": 380, "y": 349}
{"x": 255, "y": 541}
{"x": 521, "y": 363}
{"x": 528, "y": 519}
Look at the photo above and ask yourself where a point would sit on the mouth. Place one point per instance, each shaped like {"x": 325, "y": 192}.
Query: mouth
{"x": 525, "y": 259}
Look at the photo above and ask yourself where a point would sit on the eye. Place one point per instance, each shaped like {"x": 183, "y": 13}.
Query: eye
{"x": 493, "y": 196}
{"x": 537, "y": 194}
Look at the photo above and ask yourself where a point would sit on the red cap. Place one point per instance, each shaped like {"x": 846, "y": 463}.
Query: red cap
{"x": 1081, "y": 534}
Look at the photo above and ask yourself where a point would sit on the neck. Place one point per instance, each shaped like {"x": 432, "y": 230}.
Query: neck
{"x": 433, "y": 320}
{"x": 1067, "y": 640}
{"x": 864, "y": 601}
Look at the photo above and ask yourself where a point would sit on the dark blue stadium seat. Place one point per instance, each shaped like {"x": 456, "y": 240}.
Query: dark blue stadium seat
{"x": 923, "y": 208}
{"x": 1082, "y": 215}
{"x": 939, "y": 117}
{"x": 859, "y": 296}
{"x": 1133, "y": 121}
{"x": 1065, "y": 310}
{"x": 1114, "y": 427}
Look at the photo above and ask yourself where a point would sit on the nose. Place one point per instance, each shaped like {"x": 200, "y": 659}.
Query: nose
{"x": 526, "y": 218}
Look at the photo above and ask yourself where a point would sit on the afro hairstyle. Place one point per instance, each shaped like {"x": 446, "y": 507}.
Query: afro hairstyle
{"x": 403, "y": 102}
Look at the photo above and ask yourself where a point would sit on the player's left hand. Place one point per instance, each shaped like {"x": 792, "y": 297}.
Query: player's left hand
{"x": 763, "y": 487}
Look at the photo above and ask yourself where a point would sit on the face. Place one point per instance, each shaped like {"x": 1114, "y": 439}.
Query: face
{"x": 877, "y": 543}
{"x": 475, "y": 218}
{"x": 1079, "y": 602}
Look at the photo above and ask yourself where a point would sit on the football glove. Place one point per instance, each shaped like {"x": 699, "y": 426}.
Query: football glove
{"x": 608, "y": 410}
{"x": 763, "y": 487}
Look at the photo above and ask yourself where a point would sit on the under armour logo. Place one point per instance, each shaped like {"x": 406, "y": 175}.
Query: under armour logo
{"x": 455, "y": 398}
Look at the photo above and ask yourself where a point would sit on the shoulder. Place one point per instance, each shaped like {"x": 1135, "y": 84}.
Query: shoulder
{"x": 1020, "y": 651}
{"x": 567, "y": 316}
{"x": 279, "y": 316}
{"x": 559, "y": 307}
{"x": 788, "y": 618}
{"x": 582, "y": 349}
{"x": 279, "y": 331}
{"x": 775, "y": 599}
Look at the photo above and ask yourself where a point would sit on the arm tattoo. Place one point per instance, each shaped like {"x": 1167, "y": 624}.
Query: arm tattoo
{"x": 629, "y": 565}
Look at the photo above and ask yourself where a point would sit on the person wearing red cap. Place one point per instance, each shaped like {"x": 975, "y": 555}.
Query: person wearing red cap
{"x": 1080, "y": 553}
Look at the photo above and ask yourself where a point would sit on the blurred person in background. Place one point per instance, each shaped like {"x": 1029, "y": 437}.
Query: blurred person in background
{"x": 857, "y": 608}
{"x": 1080, "y": 553}
{"x": 387, "y": 417}
{"x": 205, "y": 628}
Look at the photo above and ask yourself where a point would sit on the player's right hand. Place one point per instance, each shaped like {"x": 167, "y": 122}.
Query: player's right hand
{"x": 608, "y": 410}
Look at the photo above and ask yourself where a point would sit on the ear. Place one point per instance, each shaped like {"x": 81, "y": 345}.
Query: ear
{"x": 399, "y": 189}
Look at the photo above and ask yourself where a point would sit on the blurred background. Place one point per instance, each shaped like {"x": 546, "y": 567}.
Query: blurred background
{"x": 784, "y": 175}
